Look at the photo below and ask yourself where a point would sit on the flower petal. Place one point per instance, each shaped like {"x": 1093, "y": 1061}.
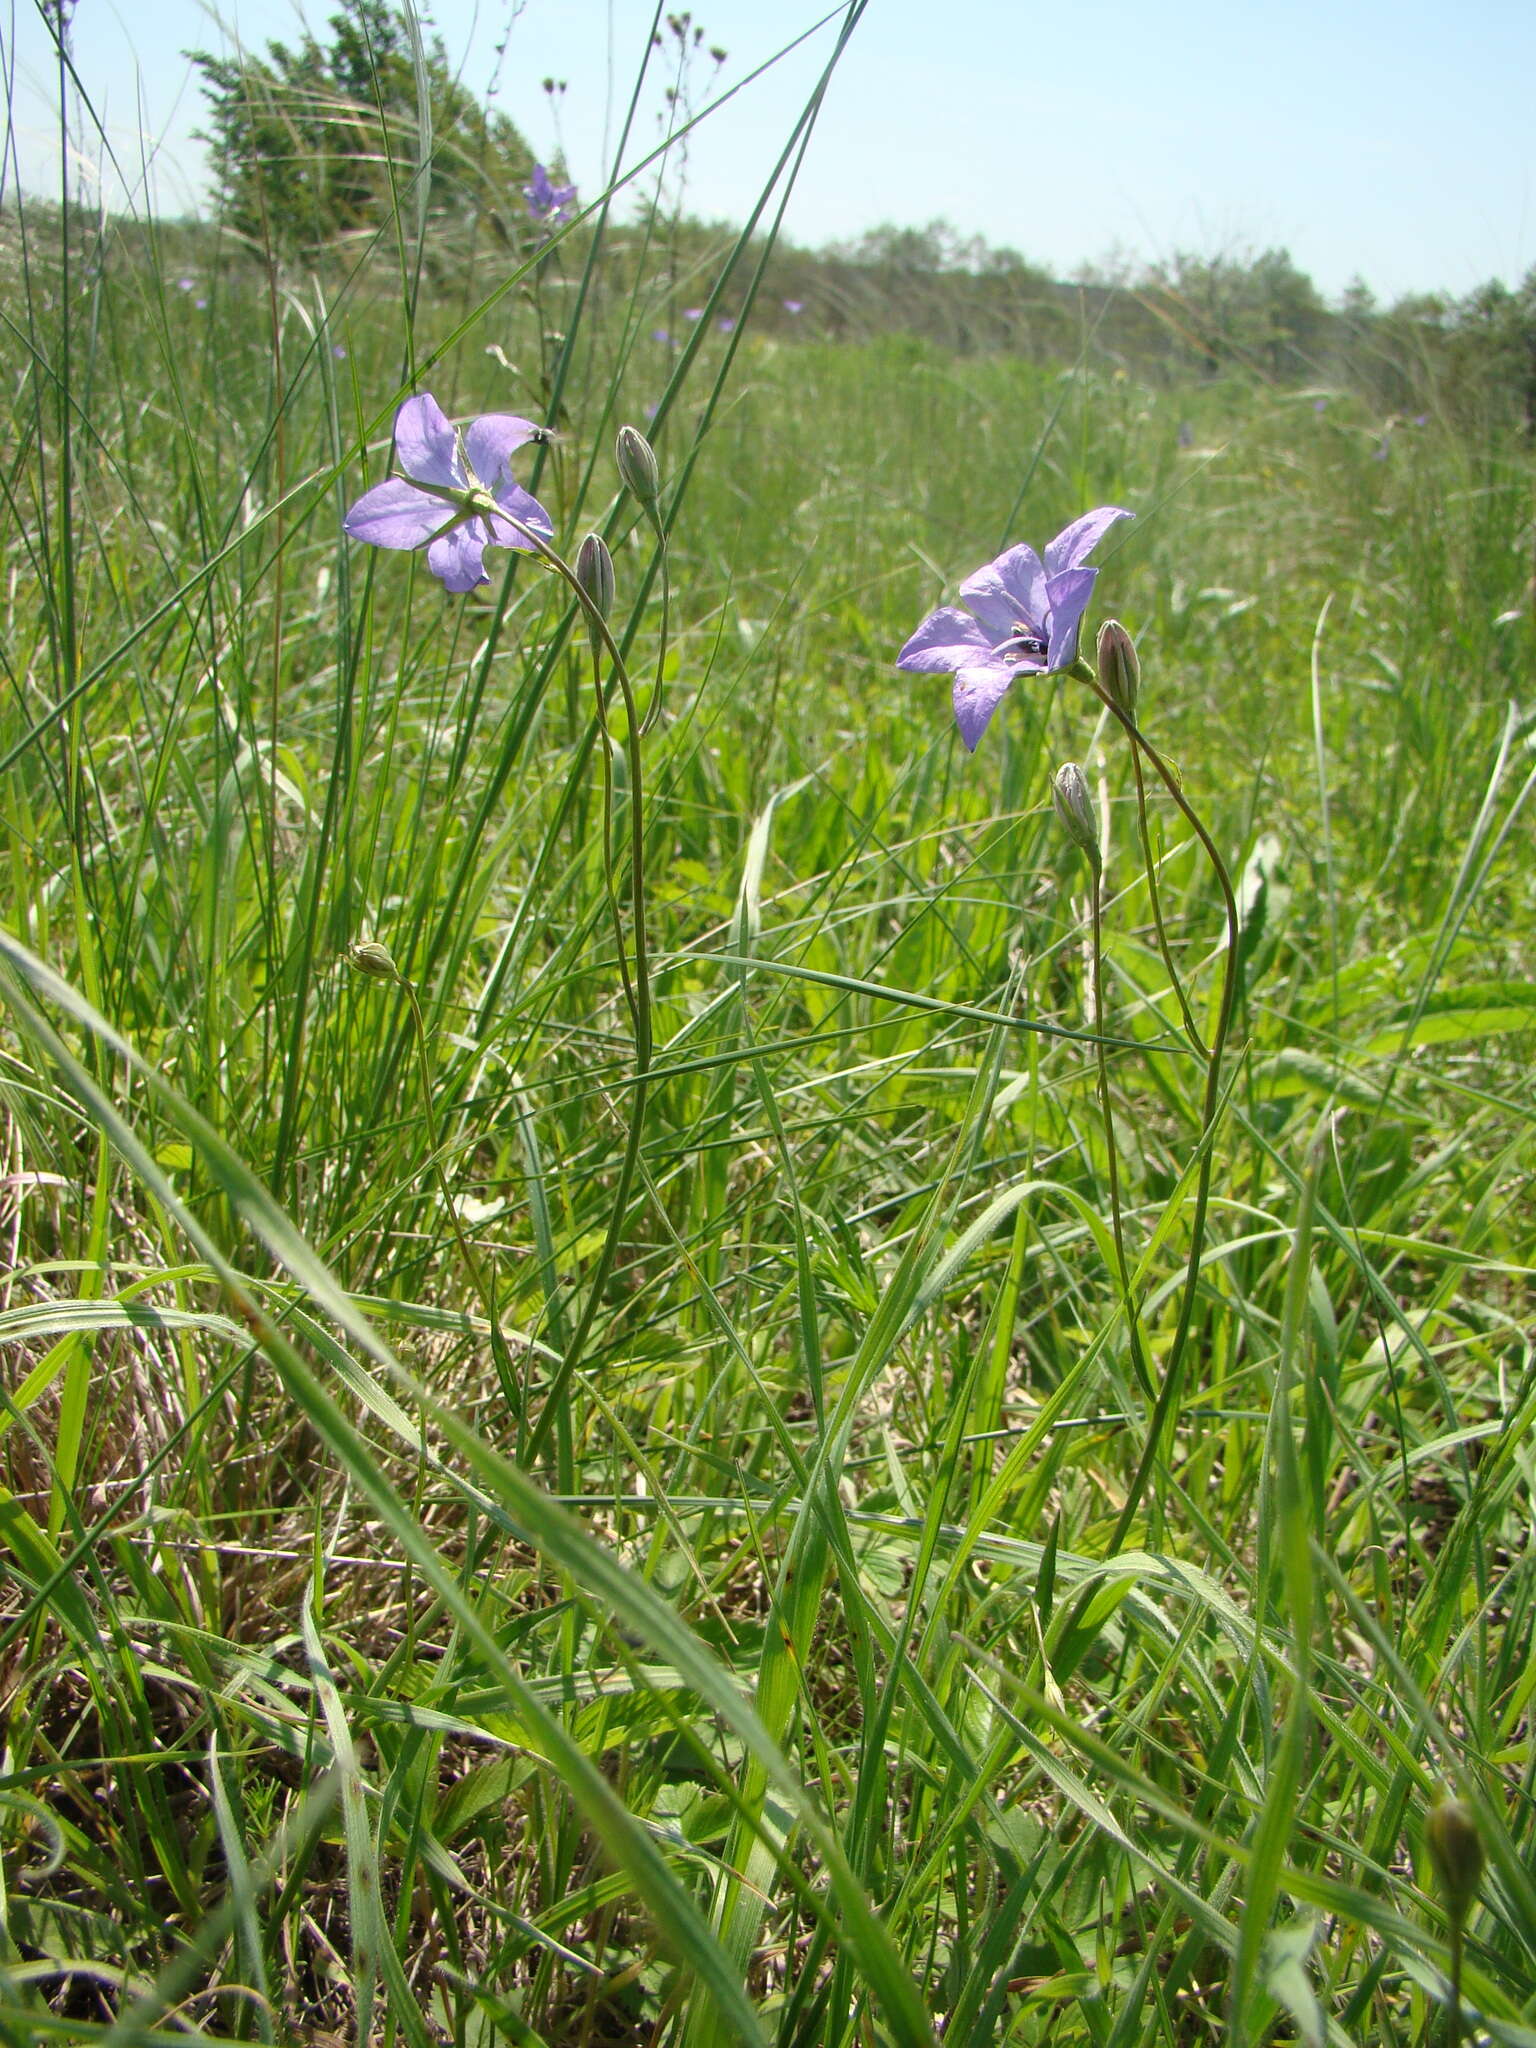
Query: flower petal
{"x": 426, "y": 446}
{"x": 489, "y": 441}
{"x": 1080, "y": 538}
{"x": 396, "y": 515}
{"x": 945, "y": 641}
{"x": 514, "y": 499}
{"x": 979, "y": 689}
{"x": 1069, "y": 594}
{"x": 458, "y": 558}
{"x": 1008, "y": 593}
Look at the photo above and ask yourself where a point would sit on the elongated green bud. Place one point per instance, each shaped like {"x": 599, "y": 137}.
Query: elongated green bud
{"x": 1456, "y": 1850}
{"x": 594, "y": 572}
{"x": 637, "y": 465}
{"x": 374, "y": 960}
{"x": 1074, "y": 809}
{"x": 1119, "y": 669}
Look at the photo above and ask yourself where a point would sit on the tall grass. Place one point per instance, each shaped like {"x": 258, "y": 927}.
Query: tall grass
{"x": 717, "y": 1607}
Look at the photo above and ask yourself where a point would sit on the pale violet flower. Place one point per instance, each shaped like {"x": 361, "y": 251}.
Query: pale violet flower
{"x": 548, "y": 203}
{"x": 794, "y": 305}
{"x": 1021, "y": 619}
{"x": 456, "y": 497}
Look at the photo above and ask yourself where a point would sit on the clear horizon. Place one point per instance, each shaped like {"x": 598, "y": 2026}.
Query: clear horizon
{"x": 1209, "y": 132}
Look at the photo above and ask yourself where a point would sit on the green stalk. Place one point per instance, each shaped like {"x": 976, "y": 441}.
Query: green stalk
{"x": 1168, "y": 1394}
{"x": 637, "y": 982}
{"x": 1154, "y": 894}
{"x": 1117, "y": 1221}
{"x": 505, "y": 1369}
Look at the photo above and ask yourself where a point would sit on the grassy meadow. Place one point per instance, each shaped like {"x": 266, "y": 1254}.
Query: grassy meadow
{"x": 664, "y": 1380}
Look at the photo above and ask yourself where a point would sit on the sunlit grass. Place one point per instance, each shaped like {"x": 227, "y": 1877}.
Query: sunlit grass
{"x": 798, "y": 1673}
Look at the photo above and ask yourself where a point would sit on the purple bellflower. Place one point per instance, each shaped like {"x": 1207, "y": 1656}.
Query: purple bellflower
{"x": 548, "y": 203}
{"x": 1021, "y": 619}
{"x": 456, "y": 497}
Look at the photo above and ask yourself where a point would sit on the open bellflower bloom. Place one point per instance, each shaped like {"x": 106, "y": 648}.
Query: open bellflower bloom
{"x": 547, "y": 202}
{"x": 456, "y": 497}
{"x": 1021, "y": 619}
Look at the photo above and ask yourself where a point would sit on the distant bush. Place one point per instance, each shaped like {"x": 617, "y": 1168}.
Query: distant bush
{"x": 323, "y": 141}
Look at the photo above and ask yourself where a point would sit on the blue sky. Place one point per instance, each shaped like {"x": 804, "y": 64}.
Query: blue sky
{"x": 1392, "y": 140}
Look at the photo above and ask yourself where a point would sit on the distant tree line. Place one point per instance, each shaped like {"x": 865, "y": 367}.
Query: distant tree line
{"x": 319, "y": 143}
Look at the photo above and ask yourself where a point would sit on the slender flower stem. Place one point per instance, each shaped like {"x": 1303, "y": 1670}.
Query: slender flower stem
{"x": 1155, "y": 894}
{"x": 1173, "y": 1369}
{"x": 637, "y": 981}
{"x": 1112, "y": 1150}
{"x": 1457, "y": 1931}
{"x": 654, "y": 708}
{"x": 484, "y": 1287}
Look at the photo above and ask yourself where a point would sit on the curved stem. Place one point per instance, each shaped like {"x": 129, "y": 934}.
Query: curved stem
{"x": 1173, "y": 1371}
{"x": 637, "y": 980}
{"x": 1127, "y": 1298}
{"x": 505, "y": 1369}
{"x": 653, "y": 709}
{"x": 1155, "y": 896}
{"x": 1457, "y": 1926}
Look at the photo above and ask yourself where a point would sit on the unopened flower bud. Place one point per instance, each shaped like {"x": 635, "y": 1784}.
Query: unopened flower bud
{"x": 1074, "y": 808}
{"x": 374, "y": 960}
{"x": 594, "y": 572}
{"x": 1119, "y": 669}
{"x": 1456, "y": 1850}
{"x": 637, "y": 465}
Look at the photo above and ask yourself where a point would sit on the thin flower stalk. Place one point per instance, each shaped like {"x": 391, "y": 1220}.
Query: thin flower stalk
{"x": 373, "y": 959}
{"x": 1154, "y": 895}
{"x": 1075, "y": 813}
{"x": 635, "y": 975}
{"x": 1128, "y": 1299}
{"x": 1173, "y": 1369}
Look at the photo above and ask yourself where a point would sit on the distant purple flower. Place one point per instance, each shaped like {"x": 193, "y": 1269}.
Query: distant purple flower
{"x": 1319, "y": 405}
{"x": 338, "y": 352}
{"x": 201, "y": 305}
{"x": 794, "y": 305}
{"x": 651, "y": 409}
{"x": 726, "y": 324}
{"x": 1186, "y": 434}
{"x": 661, "y": 335}
{"x": 548, "y": 203}
{"x": 1380, "y": 454}
{"x": 693, "y": 312}
{"x": 456, "y": 497}
{"x": 1022, "y": 620}
{"x": 184, "y": 284}
{"x": 1421, "y": 419}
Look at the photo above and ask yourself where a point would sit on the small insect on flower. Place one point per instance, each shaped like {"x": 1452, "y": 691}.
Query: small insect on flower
{"x": 1021, "y": 619}
{"x": 456, "y": 496}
